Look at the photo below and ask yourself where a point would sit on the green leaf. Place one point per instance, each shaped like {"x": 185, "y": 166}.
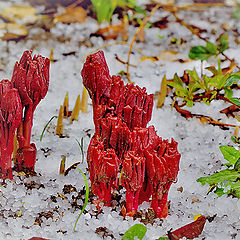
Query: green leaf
{"x": 140, "y": 10}
{"x": 127, "y": 3}
{"x": 237, "y": 165}
{"x": 175, "y": 85}
{"x": 230, "y": 154}
{"x": 86, "y": 196}
{"x": 189, "y": 103}
{"x": 211, "y": 48}
{"x": 177, "y": 80}
{"x": 193, "y": 74}
{"x": 234, "y": 188}
{"x": 223, "y": 43}
{"x": 219, "y": 191}
{"x": 163, "y": 238}
{"x": 104, "y": 9}
{"x": 228, "y": 93}
{"x": 203, "y": 53}
{"x": 232, "y": 79}
{"x": 235, "y": 101}
{"x": 219, "y": 177}
{"x": 137, "y": 230}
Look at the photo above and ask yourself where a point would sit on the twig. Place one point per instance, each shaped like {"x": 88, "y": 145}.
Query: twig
{"x": 135, "y": 37}
{"x": 123, "y": 62}
{"x": 188, "y": 114}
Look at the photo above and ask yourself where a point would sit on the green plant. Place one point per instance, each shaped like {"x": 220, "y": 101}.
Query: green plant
{"x": 105, "y": 8}
{"x": 137, "y": 230}
{"x": 45, "y": 127}
{"x": 81, "y": 148}
{"x": 211, "y": 49}
{"x": 226, "y": 181}
{"x": 86, "y": 196}
{"x": 193, "y": 88}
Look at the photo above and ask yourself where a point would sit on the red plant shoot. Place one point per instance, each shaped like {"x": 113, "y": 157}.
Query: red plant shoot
{"x": 147, "y": 164}
{"x": 10, "y": 118}
{"x": 31, "y": 78}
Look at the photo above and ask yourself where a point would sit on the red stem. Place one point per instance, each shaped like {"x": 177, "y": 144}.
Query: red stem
{"x": 27, "y": 124}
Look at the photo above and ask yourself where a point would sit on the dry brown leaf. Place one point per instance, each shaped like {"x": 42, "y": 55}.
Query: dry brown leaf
{"x": 164, "y": 55}
{"x": 12, "y": 31}
{"x": 72, "y": 15}
{"x": 16, "y": 12}
{"x": 111, "y": 32}
{"x": 163, "y": 92}
{"x": 149, "y": 58}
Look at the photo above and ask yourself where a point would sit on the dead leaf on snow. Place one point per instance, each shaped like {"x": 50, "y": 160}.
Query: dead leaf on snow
{"x": 72, "y": 15}
{"x": 15, "y": 13}
{"x": 111, "y": 32}
{"x": 163, "y": 92}
{"x": 170, "y": 56}
{"x": 12, "y": 31}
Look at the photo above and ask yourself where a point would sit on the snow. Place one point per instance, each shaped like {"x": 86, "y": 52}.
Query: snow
{"x": 198, "y": 143}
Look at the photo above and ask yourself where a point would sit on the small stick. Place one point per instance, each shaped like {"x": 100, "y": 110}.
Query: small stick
{"x": 75, "y": 112}
{"x": 59, "y": 129}
{"x": 135, "y": 37}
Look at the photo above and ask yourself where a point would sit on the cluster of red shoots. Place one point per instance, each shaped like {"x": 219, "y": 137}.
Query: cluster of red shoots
{"x": 18, "y": 100}
{"x": 123, "y": 150}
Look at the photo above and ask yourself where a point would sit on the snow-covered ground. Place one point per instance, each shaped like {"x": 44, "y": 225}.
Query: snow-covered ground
{"x": 33, "y": 206}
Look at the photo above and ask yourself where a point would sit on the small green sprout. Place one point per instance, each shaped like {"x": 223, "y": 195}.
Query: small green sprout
{"x": 81, "y": 148}
{"x": 45, "y": 127}
{"x": 86, "y": 196}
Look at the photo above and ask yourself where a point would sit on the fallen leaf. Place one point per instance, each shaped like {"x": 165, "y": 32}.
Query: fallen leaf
{"x": 231, "y": 110}
{"x": 19, "y": 12}
{"x": 162, "y": 24}
{"x": 13, "y": 31}
{"x": 149, "y": 58}
{"x": 163, "y": 92}
{"x": 111, "y": 32}
{"x": 72, "y": 15}
{"x": 204, "y": 119}
{"x": 164, "y": 55}
{"x": 189, "y": 231}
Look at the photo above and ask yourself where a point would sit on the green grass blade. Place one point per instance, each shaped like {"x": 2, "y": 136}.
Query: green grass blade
{"x": 45, "y": 127}
{"x": 86, "y": 197}
{"x": 81, "y": 147}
